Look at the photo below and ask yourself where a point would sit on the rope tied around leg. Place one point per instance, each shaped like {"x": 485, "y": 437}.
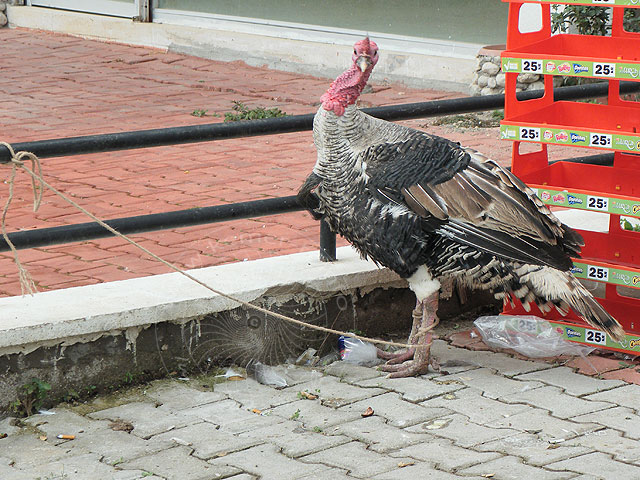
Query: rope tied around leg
{"x": 17, "y": 160}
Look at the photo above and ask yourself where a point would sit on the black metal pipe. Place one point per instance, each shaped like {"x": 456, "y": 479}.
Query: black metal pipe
{"x": 294, "y": 123}
{"x": 327, "y": 243}
{"x": 147, "y": 223}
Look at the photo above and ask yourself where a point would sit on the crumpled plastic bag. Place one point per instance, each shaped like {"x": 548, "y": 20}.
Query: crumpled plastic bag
{"x": 266, "y": 375}
{"x": 527, "y": 334}
{"x": 353, "y": 350}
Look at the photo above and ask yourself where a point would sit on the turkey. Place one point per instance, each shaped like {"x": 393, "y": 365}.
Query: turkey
{"x": 435, "y": 213}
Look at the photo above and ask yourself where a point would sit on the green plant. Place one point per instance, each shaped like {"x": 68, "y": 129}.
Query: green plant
{"x": 295, "y": 415}
{"x": 590, "y": 20}
{"x": 317, "y": 429}
{"x": 242, "y": 112}
{"x": 30, "y": 397}
{"x": 627, "y": 225}
{"x": 199, "y": 113}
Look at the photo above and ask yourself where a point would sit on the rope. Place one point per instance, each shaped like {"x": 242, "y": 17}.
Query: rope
{"x": 39, "y": 183}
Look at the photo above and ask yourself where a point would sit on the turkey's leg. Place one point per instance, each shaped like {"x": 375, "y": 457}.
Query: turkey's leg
{"x": 399, "y": 357}
{"x": 418, "y": 363}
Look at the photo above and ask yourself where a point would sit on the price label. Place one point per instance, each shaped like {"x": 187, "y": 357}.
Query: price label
{"x": 598, "y": 203}
{"x": 532, "y": 66}
{"x": 595, "y": 336}
{"x": 604, "y": 69}
{"x": 600, "y": 140}
{"x": 529, "y": 133}
{"x": 598, "y": 273}
{"x": 603, "y": 2}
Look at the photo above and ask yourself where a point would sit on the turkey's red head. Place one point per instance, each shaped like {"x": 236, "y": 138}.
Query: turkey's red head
{"x": 346, "y": 89}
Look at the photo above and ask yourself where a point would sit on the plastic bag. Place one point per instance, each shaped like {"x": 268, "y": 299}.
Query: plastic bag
{"x": 354, "y": 350}
{"x": 527, "y": 334}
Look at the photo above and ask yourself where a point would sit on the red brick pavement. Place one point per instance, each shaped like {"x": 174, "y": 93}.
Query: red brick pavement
{"x": 55, "y": 86}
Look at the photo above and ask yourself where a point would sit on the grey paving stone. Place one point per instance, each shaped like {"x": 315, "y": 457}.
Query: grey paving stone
{"x": 625, "y": 396}
{"x": 535, "y": 450}
{"x": 178, "y": 464}
{"x": 380, "y": 436}
{"x": 312, "y": 413}
{"x": 25, "y": 450}
{"x": 412, "y": 389}
{"x": 491, "y": 384}
{"x": 352, "y": 373}
{"x": 572, "y": 383}
{"x": 296, "y": 375}
{"x": 355, "y": 458}
{"x": 512, "y": 468}
{"x": 251, "y": 394}
{"x": 295, "y": 440}
{"x": 618, "y": 418}
{"x": 549, "y": 428}
{"x": 10, "y": 473}
{"x": 78, "y": 467}
{"x": 334, "y": 393}
{"x": 397, "y": 412}
{"x": 444, "y": 455}
{"x": 329, "y": 474}
{"x": 461, "y": 431}
{"x": 242, "y": 476}
{"x": 206, "y": 439}
{"x": 560, "y": 404}
{"x": 503, "y": 364}
{"x": 231, "y": 416}
{"x": 413, "y": 472}
{"x": 7, "y": 428}
{"x": 612, "y": 442}
{"x": 146, "y": 418}
{"x": 599, "y": 465}
{"x": 265, "y": 462}
{"x": 178, "y": 395}
{"x": 478, "y": 409}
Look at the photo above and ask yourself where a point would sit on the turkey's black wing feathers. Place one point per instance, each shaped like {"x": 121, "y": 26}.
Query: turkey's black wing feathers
{"x": 469, "y": 199}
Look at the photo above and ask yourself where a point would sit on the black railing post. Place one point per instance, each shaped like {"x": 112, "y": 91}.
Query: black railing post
{"x": 327, "y": 243}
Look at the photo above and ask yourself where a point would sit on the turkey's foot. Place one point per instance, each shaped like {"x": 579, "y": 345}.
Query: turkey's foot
{"x": 396, "y": 357}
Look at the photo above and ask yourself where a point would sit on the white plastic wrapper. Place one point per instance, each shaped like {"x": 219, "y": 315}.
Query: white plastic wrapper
{"x": 527, "y": 334}
{"x": 354, "y": 350}
{"x": 266, "y": 375}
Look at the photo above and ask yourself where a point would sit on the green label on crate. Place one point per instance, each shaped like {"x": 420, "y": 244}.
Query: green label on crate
{"x": 583, "y": 201}
{"x": 596, "y": 338}
{"x": 574, "y": 68}
{"x": 616, "y": 276}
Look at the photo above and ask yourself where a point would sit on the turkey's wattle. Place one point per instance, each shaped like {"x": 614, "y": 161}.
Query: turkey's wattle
{"x": 432, "y": 211}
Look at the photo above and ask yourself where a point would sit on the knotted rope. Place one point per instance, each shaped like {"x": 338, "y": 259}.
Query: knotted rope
{"x": 38, "y": 184}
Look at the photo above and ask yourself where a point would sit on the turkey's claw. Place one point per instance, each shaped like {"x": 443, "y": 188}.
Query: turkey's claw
{"x": 396, "y": 357}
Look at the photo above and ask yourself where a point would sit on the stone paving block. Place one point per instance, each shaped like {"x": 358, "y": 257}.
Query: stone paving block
{"x": 397, "y": 412}
{"x": 599, "y": 465}
{"x": 535, "y": 450}
{"x": 294, "y": 439}
{"x": 25, "y": 450}
{"x": 251, "y": 394}
{"x": 492, "y": 385}
{"x": 378, "y": 435}
{"x": 356, "y": 459}
{"x": 265, "y": 462}
{"x": 242, "y": 476}
{"x": 178, "y": 464}
{"x": 231, "y": 416}
{"x": 461, "y": 431}
{"x": 626, "y": 396}
{"x": 618, "y": 418}
{"x": 352, "y": 373}
{"x": 298, "y": 374}
{"x": 612, "y": 442}
{"x": 146, "y": 418}
{"x": 78, "y": 467}
{"x": 10, "y": 473}
{"x": 478, "y": 409}
{"x": 311, "y": 413}
{"x": 502, "y": 363}
{"x": 415, "y": 471}
{"x": 329, "y": 474}
{"x": 177, "y": 395}
{"x": 547, "y": 427}
{"x": 512, "y": 468}
{"x": 558, "y": 403}
{"x": 572, "y": 383}
{"x": 7, "y": 428}
{"x": 412, "y": 389}
{"x": 334, "y": 393}
{"x": 444, "y": 455}
{"x": 206, "y": 439}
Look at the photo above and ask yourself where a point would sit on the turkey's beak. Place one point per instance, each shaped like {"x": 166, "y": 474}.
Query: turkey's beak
{"x": 363, "y": 62}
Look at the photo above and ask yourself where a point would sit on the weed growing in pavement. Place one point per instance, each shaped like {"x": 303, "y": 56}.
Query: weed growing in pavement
{"x": 30, "y": 397}
{"x": 244, "y": 113}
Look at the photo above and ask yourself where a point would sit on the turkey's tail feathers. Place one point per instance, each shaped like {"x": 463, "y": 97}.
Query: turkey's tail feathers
{"x": 549, "y": 287}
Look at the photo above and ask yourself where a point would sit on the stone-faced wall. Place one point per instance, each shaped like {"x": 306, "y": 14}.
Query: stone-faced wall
{"x": 3, "y": 14}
